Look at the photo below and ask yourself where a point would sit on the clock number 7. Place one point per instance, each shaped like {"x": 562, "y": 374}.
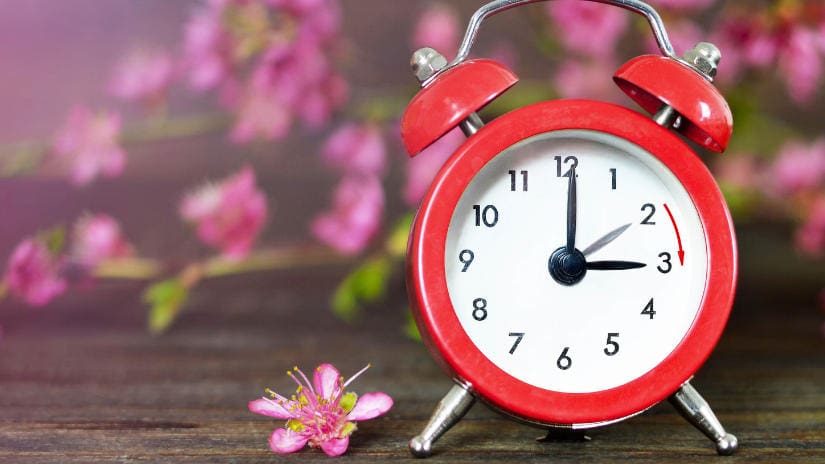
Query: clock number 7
{"x": 519, "y": 336}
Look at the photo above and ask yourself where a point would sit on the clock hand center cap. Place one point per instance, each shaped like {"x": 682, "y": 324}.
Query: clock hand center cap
{"x": 567, "y": 267}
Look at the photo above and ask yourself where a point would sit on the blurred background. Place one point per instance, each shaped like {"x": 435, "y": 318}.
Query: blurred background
{"x": 147, "y": 148}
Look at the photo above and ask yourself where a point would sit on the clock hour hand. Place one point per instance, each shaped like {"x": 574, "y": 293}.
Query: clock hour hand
{"x": 609, "y": 237}
{"x": 613, "y": 265}
{"x": 571, "y": 209}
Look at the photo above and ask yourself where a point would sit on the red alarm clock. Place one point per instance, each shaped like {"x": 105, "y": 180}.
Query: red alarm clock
{"x": 573, "y": 262}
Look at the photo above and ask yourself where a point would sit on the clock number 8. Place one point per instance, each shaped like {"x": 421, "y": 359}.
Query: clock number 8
{"x": 564, "y": 362}
{"x": 479, "y": 309}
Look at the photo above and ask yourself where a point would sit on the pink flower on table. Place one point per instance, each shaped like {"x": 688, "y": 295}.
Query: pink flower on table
{"x": 98, "y": 237}
{"x": 320, "y": 413}
{"x": 588, "y": 28}
{"x": 799, "y": 167}
{"x": 229, "y": 214}
{"x": 356, "y": 148}
{"x": 355, "y": 217}
{"x": 88, "y": 143}
{"x": 143, "y": 75}
{"x": 810, "y": 238}
{"x": 422, "y": 168}
{"x": 800, "y": 64}
{"x": 438, "y": 27}
{"x": 32, "y": 273}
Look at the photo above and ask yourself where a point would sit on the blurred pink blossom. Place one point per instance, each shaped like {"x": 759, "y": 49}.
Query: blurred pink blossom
{"x": 32, "y": 273}
{"x": 686, "y": 5}
{"x": 143, "y": 75}
{"x": 799, "y": 167}
{"x": 98, "y": 237}
{"x": 578, "y": 78}
{"x": 356, "y": 148}
{"x": 810, "y": 238}
{"x": 88, "y": 143}
{"x": 229, "y": 214}
{"x": 438, "y": 27}
{"x": 206, "y": 46}
{"x": 320, "y": 413}
{"x": 355, "y": 217}
{"x": 801, "y": 64}
{"x": 683, "y": 34}
{"x": 738, "y": 170}
{"x": 588, "y": 28}
{"x": 423, "y": 167}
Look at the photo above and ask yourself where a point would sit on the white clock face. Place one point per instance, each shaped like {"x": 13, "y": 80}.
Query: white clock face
{"x": 575, "y": 286}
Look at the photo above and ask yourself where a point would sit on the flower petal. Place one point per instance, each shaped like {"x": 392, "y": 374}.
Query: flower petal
{"x": 370, "y": 405}
{"x": 287, "y": 441}
{"x": 270, "y": 408}
{"x": 325, "y": 379}
{"x": 336, "y": 446}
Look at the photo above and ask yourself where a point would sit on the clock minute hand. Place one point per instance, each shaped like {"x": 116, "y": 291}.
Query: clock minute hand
{"x": 613, "y": 265}
{"x": 571, "y": 209}
{"x": 609, "y": 237}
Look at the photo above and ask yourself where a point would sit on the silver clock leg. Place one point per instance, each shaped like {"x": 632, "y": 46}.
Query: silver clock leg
{"x": 449, "y": 411}
{"x": 697, "y": 411}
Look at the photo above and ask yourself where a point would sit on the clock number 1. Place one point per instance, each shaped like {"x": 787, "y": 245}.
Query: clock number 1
{"x": 613, "y": 178}
{"x": 564, "y": 362}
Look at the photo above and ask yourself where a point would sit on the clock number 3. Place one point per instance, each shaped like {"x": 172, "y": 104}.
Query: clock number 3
{"x": 564, "y": 362}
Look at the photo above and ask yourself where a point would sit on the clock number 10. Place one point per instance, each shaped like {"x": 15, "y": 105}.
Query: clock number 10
{"x": 488, "y": 215}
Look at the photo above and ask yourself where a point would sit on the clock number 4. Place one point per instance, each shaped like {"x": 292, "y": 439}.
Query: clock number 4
{"x": 564, "y": 362}
{"x": 513, "y": 183}
{"x": 569, "y": 160}
{"x": 648, "y": 311}
{"x": 487, "y": 215}
{"x": 479, "y": 309}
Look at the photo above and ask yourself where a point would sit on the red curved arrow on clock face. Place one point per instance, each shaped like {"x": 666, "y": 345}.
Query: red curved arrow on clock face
{"x": 678, "y": 236}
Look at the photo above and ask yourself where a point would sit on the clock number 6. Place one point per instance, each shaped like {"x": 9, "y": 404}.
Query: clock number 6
{"x": 479, "y": 309}
{"x": 564, "y": 362}
{"x": 612, "y": 345}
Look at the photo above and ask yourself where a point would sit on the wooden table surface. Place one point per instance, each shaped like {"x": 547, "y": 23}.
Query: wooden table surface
{"x": 83, "y": 382}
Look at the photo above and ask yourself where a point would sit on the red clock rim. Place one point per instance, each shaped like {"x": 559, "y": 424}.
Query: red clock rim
{"x": 450, "y": 344}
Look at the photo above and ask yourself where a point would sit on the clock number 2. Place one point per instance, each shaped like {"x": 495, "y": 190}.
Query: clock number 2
{"x": 479, "y": 309}
{"x": 564, "y": 362}
{"x": 646, "y": 221}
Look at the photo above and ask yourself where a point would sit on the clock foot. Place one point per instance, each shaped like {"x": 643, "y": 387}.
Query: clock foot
{"x": 697, "y": 411}
{"x": 449, "y": 411}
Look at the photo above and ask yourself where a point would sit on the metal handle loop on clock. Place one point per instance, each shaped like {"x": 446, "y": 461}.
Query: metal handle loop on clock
{"x": 497, "y": 6}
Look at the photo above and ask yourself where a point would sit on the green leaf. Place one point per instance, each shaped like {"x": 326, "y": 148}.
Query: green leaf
{"x": 411, "y": 328}
{"x": 397, "y": 241}
{"x": 366, "y": 284}
{"x": 165, "y": 299}
{"x": 54, "y": 239}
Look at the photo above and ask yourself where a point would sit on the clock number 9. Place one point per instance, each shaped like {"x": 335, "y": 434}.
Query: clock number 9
{"x": 466, "y": 257}
{"x": 564, "y": 362}
{"x": 479, "y": 309}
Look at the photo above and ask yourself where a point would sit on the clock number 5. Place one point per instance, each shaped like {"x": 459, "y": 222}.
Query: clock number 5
{"x": 564, "y": 362}
{"x": 612, "y": 345}
{"x": 479, "y": 309}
